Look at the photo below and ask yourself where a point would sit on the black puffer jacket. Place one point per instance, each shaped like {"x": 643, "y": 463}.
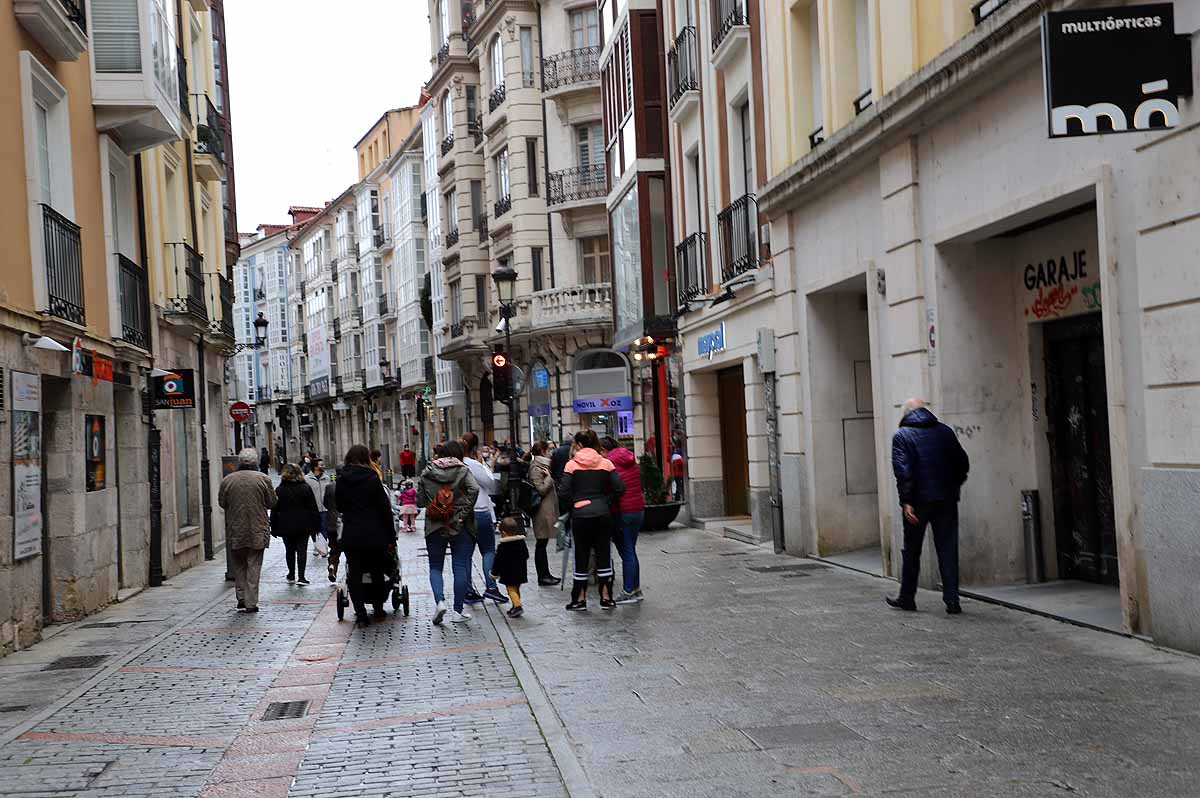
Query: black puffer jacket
{"x": 295, "y": 512}
{"x": 929, "y": 463}
{"x": 366, "y": 511}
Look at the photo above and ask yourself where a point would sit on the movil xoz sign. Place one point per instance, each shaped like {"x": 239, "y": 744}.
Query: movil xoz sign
{"x": 1114, "y": 70}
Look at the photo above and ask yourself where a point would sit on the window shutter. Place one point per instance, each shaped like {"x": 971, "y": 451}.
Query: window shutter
{"x": 116, "y": 36}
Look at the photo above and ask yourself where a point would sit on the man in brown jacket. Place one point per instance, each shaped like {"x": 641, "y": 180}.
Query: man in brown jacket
{"x": 246, "y": 496}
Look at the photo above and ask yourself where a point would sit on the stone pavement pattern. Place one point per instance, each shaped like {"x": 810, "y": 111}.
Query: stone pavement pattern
{"x": 743, "y": 673}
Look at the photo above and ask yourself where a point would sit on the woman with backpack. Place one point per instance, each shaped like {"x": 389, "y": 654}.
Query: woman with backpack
{"x": 448, "y": 492}
{"x": 368, "y": 534}
{"x": 295, "y": 519}
{"x": 591, "y": 487}
{"x": 545, "y": 496}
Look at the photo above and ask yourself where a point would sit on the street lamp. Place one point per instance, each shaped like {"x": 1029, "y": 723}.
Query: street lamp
{"x": 506, "y": 288}
{"x": 260, "y": 337}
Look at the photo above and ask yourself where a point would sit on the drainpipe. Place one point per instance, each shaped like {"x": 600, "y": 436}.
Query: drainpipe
{"x": 205, "y": 480}
{"x": 153, "y": 436}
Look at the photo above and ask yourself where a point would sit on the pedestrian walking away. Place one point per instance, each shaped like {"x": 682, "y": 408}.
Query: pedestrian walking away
{"x": 368, "y": 535}
{"x": 408, "y": 507}
{"x": 628, "y": 515}
{"x": 511, "y": 566}
{"x": 318, "y": 480}
{"x": 592, "y": 488}
{"x": 545, "y": 513}
{"x": 408, "y": 462}
{"x": 485, "y": 476}
{"x": 247, "y": 497}
{"x": 930, "y": 467}
{"x": 295, "y": 519}
{"x": 264, "y": 461}
{"x": 448, "y": 492}
{"x": 377, "y": 464}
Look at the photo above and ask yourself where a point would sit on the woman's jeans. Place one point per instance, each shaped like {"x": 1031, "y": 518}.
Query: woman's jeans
{"x": 295, "y": 546}
{"x": 625, "y": 536}
{"x": 462, "y": 546}
{"x": 485, "y": 536}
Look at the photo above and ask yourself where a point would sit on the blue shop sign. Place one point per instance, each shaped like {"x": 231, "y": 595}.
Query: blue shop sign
{"x": 541, "y": 378}
{"x": 713, "y": 342}
{"x": 602, "y": 404}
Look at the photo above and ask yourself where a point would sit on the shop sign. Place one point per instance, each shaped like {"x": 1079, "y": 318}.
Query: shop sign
{"x": 175, "y": 391}
{"x": 713, "y": 342}
{"x": 319, "y": 388}
{"x": 1061, "y": 285}
{"x": 1113, "y": 69}
{"x": 87, "y": 363}
{"x": 93, "y": 435}
{"x": 602, "y": 404}
{"x": 26, "y": 392}
{"x": 240, "y": 412}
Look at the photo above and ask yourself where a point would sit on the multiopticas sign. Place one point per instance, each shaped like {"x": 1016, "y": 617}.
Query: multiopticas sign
{"x": 1114, "y": 70}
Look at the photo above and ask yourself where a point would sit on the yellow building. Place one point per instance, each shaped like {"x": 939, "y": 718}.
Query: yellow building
{"x": 101, "y": 154}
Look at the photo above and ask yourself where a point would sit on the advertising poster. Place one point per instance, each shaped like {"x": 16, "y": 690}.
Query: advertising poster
{"x": 26, "y": 392}
{"x": 93, "y": 435}
{"x": 175, "y": 391}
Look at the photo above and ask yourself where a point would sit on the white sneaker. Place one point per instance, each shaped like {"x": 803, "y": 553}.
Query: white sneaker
{"x": 459, "y": 617}
{"x": 439, "y": 613}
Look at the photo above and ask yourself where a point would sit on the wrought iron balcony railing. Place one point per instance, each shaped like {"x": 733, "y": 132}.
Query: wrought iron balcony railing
{"x": 379, "y": 238}
{"x": 503, "y": 206}
{"x": 682, "y": 72}
{"x": 221, "y": 291}
{"x": 443, "y": 53}
{"x": 738, "y": 226}
{"x": 337, "y": 329}
{"x": 452, "y": 237}
{"x": 456, "y": 329}
{"x": 577, "y": 183}
{"x": 817, "y": 137}
{"x": 189, "y": 282}
{"x": 570, "y": 67}
{"x": 727, "y": 15}
{"x": 447, "y": 145}
{"x": 497, "y": 97}
{"x": 75, "y": 13}
{"x": 63, "y": 251}
{"x": 690, "y": 273}
{"x": 135, "y": 303}
{"x": 862, "y": 102}
{"x": 210, "y": 132}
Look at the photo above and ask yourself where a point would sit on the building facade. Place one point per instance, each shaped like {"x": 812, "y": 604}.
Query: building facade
{"x": 118, "y": 240}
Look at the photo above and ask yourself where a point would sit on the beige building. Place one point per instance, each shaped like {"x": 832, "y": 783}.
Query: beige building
{"x": 118, "y": 245}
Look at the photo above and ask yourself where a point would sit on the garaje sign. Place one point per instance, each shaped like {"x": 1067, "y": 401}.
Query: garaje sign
{"x": 1112, "y": 70}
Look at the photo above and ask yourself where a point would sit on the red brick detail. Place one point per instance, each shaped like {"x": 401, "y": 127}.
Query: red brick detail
{"x": 151, "y": 740}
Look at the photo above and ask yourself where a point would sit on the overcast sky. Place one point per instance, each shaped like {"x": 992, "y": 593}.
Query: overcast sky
{"x": 307, "y": 78}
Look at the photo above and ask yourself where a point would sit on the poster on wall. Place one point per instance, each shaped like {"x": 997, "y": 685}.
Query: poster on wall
{"x": 26, "y": 392}
{"x": 93, "y": 436}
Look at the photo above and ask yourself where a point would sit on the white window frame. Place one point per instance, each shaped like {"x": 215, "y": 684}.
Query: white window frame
{"x": 117, "y": 192}
{"x": 496, "y": 58}
{"x": 503, "y": 179}
{"x": 584, "y": 26}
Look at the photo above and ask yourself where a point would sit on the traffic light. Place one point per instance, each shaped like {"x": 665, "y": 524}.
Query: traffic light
{"x": 501, "y": 375}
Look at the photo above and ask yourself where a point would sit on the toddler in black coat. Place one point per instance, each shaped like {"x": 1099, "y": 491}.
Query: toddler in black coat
{"x": 510, "y": 568}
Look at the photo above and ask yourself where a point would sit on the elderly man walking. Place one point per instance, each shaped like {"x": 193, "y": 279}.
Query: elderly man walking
{"x": 930, "y": 467}
{"x": 246, "y": 496}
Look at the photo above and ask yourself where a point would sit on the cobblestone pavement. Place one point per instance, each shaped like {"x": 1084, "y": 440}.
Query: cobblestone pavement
{"x": 743, "y": 673}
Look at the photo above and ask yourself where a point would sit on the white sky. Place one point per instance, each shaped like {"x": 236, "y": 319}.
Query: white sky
{"x": 307, "y": 79}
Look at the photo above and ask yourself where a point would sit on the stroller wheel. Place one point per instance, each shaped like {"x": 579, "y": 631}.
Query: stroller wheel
{"x": 395, "y": 598}
{"x": 341, "y": 605}
{"x": 404, "y": 599}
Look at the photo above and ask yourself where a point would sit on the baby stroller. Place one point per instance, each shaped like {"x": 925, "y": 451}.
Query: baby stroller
{"x": 393, "y": 584}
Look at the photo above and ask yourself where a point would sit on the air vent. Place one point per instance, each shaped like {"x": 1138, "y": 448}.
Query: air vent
{"x": 74, "y": 663}
{"x": 286, "y": 710}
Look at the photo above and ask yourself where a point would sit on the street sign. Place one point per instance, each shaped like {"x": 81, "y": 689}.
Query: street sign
{"x": 175, "y": 391}
{"x": 240, "y": 412}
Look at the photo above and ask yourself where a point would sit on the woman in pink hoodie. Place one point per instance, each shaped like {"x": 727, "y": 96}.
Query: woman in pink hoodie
{"x": 591, "y": 487}
{"x": 627, "y": 516}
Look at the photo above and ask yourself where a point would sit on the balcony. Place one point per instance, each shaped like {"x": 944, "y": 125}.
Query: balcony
{"x": 382, "y": 306}
{"x": 588, "y": 305}
{"x": 571, "y": 71}
{"x": 730, "y": 31}
{"x": 220, "y": 295}
{"x": 187, "y": 300}
{"x": 580, "y": 185}
{"x": 59, "y": 26}
{"x": 379, "y": 238}
{"x": 738, "y": 228}
{"x": 230, "y": 221}
{"x": 691, "y": 274}
{"x": 447, "y": 145}
{"x": 443, "y": 53}
{"x": 496, "y": 99}
{"x": 210, "y": 140}
{"x": 452, "y": 238}
{"x": 63, "y": 255}
{"x": 135, "y": 72}
{"x": 475, "y": 128}
{"x": 135, "y": 303}
{"x": 456, "y": 330}
{"x": 683, "y": 80}
{"x": 503, "y": 206}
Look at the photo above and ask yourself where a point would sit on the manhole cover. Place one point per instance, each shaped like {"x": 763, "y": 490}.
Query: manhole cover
{"x": 286, "y": 710}
{"x": 799, "y": 734}
{"x": 71, "y": 663}
{"x": 775, "y": 569}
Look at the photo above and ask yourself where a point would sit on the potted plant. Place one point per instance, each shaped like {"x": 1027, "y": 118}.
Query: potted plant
{"x": 659, "y": 512}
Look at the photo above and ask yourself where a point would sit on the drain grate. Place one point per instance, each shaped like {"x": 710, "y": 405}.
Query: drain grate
{"x": 73, "y": 663}
{"x": 286, "y": 710}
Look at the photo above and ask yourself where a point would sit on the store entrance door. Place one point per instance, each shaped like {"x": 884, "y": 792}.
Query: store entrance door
{"x": 735, "y": 466}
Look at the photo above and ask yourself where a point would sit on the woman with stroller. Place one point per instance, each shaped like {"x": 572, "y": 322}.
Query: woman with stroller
{"x": 448, "y": 492}
{"x": 591, "y": 487}
{"x": 547, "y": 510}
{"x": 368, "y": 534}
{"x": 295, "y": 519}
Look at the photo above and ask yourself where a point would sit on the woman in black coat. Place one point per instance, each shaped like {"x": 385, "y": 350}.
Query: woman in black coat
{"x": 295, "y": 518}
{"x": 368, "y": 531}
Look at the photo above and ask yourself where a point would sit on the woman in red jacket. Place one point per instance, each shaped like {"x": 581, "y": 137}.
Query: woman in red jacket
{"x": 628, "y": 515}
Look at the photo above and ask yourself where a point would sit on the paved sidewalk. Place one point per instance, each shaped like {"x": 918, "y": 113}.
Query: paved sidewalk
{"x": 743, "y": 673}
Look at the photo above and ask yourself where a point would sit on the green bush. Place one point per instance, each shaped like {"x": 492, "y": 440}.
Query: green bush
{"x": 654, "y": 487}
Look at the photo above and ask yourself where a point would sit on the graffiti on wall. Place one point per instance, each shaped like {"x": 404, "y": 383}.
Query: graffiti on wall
{"x": 1060, "y": 286}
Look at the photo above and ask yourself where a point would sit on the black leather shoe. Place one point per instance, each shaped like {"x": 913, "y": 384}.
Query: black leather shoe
{"x": 362, "y": 621}
{"x": 548, "y": 581}
{"x": 954, "y": 609}
{"x": 241, "y": 605}
{"x": 901, "y": 604}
